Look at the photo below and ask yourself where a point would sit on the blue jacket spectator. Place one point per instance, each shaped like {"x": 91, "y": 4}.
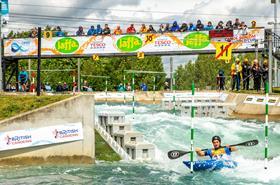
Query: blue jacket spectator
{"x": 199, "y": 26}
{"x": 59, "y": 33}
{"x": 91, "y": 31}
{"x": 175, "y": 27}
{"x": 209, "y": 26}
{"x": 22, "y": 76}
{"x": 98, "y": 29}
{"x": 144, "y": 87}
{"x": 192, "y": 27}
{"x": 80, "y": 31}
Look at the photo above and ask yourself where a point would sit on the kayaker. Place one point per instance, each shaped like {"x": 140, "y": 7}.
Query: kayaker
{"x": 217, "y": 152}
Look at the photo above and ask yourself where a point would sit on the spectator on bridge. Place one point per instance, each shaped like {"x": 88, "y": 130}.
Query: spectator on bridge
{"x": 91, "y": 31}
{"x": 65, "y": 86}
{"x": 151, "y": 29}
{"x": 58, "y": 32}
{"x": 209, "y": 26}
{"x": 34, "y": 33}
{"x": 264, "y": 71}
{"x": 143, "y": 29}
{"x": 106, "y": 30}
{"x": 174, "y": 27}
{"x": 192, "y": 27}
{"x": 199, "y": 26}
{"x": 243, "y": 30}
{"x": 229, "y": 25}
{"x": 184, "y": 27}
{"x": 167, "y": 27}
{"x": 236, "y": 70}
{"x": 246, "y": 70}
{"x": 80, "y": 31}
{"x": 253, "y": 24}
{"x": 236, "y": 25}
{"x": 131, "y": 29}
{"x": 256, "y": 71}
{"x": 220, "y": 26}
{"x": 118, "y": 31}
{"x": 161, "y": 28}
{"x": 23, "y": 79}
{"x": 98, "y": 30}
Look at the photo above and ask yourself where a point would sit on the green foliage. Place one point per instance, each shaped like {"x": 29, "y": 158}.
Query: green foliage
{"x": 204, "y": 71}
{"x": 113, "y": 67}
{"x": 103, "y": 151}
{"x": 22, "y": 104}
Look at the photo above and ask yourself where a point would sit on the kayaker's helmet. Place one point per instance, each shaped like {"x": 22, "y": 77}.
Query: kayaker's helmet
{"x": 216, "y": 138}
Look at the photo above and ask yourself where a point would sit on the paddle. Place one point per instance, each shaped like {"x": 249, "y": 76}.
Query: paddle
{"x": 175, "y": 154}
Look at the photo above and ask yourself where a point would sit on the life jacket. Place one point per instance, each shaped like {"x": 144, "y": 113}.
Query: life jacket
{"x": 217, "y": 153}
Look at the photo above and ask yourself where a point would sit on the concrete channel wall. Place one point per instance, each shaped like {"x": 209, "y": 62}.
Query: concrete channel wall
{"x": 72, "y": 110}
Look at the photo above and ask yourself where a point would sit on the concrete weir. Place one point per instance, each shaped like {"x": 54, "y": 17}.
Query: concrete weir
{"x": 79, "y": 109}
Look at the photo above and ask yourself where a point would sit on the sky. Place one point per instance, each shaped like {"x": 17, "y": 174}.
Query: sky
{"x": 25, "y": 14}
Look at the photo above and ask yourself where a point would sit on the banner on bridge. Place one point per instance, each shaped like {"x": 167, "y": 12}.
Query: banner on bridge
{"x": 121, "y": 44}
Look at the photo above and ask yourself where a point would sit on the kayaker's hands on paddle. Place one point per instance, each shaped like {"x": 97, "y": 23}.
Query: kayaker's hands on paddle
{"x": 200, "y": 152}
{"x": 232, "y": 148}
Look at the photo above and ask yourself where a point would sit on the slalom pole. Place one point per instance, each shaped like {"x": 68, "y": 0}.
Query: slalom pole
{"x": 266, "y": 126}
{"x": 192, "y": 129}
{"x": 173, "y": 88}
{"x": 133, "y": 94}
{"x": 106, "y": 90}
{"x": 154, "y": 89}
{"x": 124, "y": 98}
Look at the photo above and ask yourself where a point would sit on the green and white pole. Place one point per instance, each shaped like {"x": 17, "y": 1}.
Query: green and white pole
{"x": 192, "y": 128}
{"x": 154, "y": 91}
{"x": 174, "y": 93}
{"x": 266, "y": 126}
{"x": 133, "y": 94}
{"x": 124, "y": 98}
{"x": 106, "y": 90}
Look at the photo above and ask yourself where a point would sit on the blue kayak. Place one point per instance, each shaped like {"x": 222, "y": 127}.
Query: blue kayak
{"x": 211, "y": 164}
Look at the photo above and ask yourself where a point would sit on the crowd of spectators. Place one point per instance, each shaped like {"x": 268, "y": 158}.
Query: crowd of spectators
{"x": 241, "y": 73}
{"x": 174, "y": 27}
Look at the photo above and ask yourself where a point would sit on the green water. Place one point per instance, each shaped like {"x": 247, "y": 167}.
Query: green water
{"x": 168, "y": 132}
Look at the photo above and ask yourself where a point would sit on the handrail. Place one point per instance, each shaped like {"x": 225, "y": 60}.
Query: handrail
{"x": 113, "y": 144}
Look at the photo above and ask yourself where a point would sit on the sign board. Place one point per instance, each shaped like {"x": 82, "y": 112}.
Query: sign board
{"x": 223, "y": 51}
{"x": 121, "y": 44}
{"x": 4, "y": 11}
{"x": 41, "y": 136}
{"x": 220, "y": 33}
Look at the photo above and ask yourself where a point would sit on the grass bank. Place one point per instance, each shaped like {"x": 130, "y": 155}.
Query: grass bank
{"x": 103, "y": 151}
{"x": 16, "y": 104}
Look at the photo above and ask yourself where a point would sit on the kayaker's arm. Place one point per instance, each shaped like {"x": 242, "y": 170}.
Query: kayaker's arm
{"x": 200, "y": 152}
{"x": 232, "y": 148}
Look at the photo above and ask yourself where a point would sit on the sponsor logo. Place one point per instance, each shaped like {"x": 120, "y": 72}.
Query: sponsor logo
{"x": 162, "y": 43}
{"x": 97, "y": 45}
{"x": 241, "y": 38}
{"x": 21, "y": 46}
{"x": 65, "y": 133}
{"x": 67, "y": 45}
{"x": 18, "y": 139}
{"x": 196, "y": 40}
{"x": 129, "y": 43}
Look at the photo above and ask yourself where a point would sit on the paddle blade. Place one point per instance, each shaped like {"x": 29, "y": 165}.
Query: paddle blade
{"x": 249, "y": 143}
{"x": 175, "y": 154}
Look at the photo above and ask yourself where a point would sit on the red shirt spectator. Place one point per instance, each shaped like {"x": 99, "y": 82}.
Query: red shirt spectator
{"x": 131, "y": 29}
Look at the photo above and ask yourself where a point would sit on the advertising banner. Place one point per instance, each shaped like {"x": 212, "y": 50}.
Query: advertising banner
{"x": 41, "y": 136}
{"x": 120, "y": 44}
{"x": 5, "y": 11}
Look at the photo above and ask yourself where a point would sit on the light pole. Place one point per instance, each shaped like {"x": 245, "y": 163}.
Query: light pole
{"x": 1, "y": 72}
